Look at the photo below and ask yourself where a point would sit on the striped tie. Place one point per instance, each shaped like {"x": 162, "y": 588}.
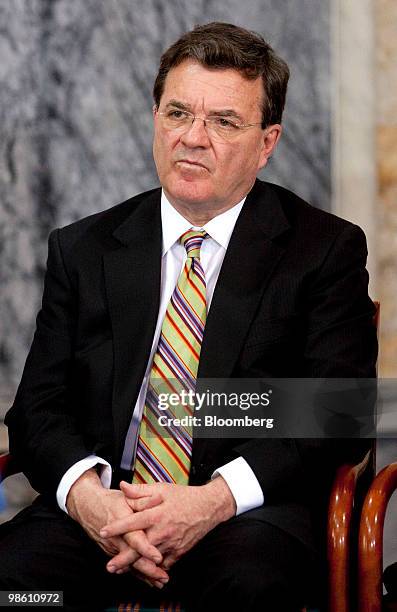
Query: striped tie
{"x": 164, "y": 452}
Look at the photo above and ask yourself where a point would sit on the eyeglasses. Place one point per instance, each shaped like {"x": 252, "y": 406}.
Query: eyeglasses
{"x": 217, "y": 126}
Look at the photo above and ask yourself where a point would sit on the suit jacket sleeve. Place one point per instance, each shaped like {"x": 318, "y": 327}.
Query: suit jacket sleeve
{"x": 43, "y": 433}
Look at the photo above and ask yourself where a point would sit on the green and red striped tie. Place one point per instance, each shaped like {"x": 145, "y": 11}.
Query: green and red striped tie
{"x": 164, "y": 452}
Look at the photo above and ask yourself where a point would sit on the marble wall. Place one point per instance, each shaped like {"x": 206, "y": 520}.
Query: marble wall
{"x": 386, "y": 166}
{"x": 75, "y": 130}
{"x": 385, "y": 124}
{"x": 353, "y": 113}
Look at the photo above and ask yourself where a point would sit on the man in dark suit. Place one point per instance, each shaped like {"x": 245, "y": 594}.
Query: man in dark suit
{"x": 285, "y": 295}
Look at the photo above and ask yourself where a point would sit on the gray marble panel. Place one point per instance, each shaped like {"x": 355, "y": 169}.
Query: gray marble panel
{"x": 75, "y": 132}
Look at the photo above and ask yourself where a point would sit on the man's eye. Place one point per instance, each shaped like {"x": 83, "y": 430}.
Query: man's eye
{"x": 224, "y": 123}
{"x": 176, "y": 114}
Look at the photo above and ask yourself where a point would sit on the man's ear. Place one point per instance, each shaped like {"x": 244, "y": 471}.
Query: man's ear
{"x": 271, "y": 136}
{"x": 154, "y": 110}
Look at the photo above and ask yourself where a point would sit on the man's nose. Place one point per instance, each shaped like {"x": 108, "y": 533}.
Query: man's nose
{"x": 195, "y": 134}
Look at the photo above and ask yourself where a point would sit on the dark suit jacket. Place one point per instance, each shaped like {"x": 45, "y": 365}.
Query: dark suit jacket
{"x": 291, "y": 301}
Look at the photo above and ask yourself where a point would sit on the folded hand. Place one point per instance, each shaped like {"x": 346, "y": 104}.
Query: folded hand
{"x": 183, "y": 517}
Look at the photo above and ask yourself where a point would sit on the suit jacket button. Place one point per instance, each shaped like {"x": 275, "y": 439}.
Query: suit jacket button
{"x": 193, "y": 470}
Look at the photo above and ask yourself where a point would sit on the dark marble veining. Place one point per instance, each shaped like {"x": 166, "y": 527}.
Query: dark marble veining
{"x": 75, "y": 130}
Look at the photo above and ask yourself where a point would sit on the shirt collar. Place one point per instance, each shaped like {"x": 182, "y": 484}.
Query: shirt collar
{"x": 220, "y": 228}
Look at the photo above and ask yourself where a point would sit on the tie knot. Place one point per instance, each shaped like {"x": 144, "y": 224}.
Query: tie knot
{"x": 192, "y": 241}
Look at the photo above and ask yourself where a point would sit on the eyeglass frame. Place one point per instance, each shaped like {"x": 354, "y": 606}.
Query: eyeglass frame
{"x": 205, "y": 120}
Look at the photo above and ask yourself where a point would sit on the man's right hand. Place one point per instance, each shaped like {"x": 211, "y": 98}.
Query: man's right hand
{"x": 93, "y": 507}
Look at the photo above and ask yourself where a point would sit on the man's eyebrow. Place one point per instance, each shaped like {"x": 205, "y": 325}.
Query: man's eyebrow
{"x": 225, "y": 112}
{"x": 178, "y": 104}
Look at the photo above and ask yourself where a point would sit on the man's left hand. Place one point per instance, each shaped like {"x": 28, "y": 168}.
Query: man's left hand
{"x": 185, "y": 516}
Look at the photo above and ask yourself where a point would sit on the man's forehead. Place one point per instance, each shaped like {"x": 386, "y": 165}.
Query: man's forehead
{"x": 190, "y": 82}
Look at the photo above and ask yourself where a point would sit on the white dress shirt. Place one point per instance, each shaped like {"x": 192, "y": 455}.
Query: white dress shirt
{"x": 237, "y": 473}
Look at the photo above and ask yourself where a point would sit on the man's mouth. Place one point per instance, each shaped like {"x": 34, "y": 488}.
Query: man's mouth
{"x": 191, "y": 162}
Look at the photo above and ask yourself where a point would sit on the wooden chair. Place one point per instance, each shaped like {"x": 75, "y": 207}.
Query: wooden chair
{"x": 370, "y": 559}
{"x": 346, "y": 497}
{"x": 351, "y": 485}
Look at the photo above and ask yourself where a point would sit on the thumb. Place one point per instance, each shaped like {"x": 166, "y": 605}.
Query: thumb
{"x": 144, "y": 503}
{"x": 135, "y": 491}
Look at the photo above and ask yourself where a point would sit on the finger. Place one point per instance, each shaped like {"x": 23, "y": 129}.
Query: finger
{"x": 138, "y": 541}
{"x": 157, "y": 538}
{"x": 149, "y": 570}
{"x": 168, "y": 562}
{"x": 140, "y": 576}
{"x": 112, "y": 546}
{"x": 159, "y": 584}
{"x": 154, "y": 583}
{"x": 134, "y": 522}
{"x": 122, "y": 560}
{"x": 144, "y": 503}
{"x": 151, "y": 583}
{"x": 135, "y": 491}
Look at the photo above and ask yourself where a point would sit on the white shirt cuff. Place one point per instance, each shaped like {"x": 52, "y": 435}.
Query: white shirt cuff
{"x": 243, "y": 484}
{"x": 74, "y": 472}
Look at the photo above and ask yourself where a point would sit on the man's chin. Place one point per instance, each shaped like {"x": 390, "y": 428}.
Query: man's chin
{"x": 190, "y": 193}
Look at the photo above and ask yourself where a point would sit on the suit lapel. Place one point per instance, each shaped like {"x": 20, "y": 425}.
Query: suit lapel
{"x": 250, "y": 259}
{"x": 132, "y": 279}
